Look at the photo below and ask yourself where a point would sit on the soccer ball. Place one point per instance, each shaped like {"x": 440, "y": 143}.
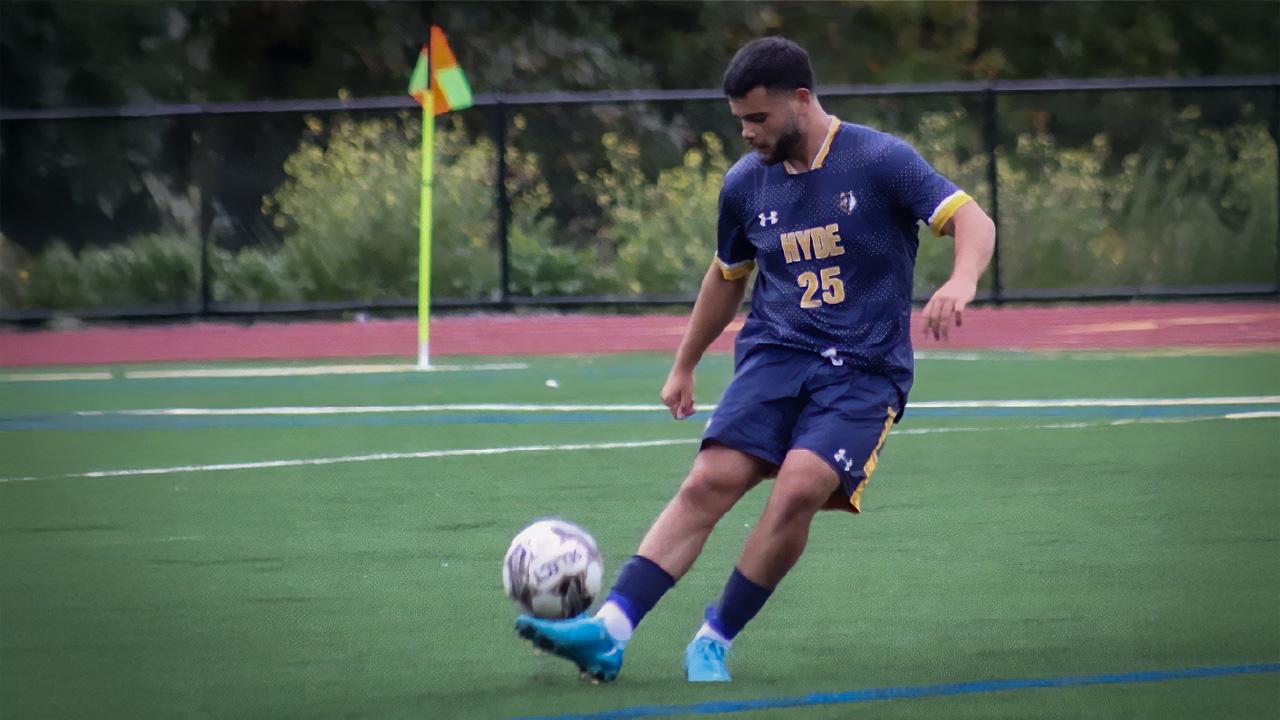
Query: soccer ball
{"x": 552, "y": 569}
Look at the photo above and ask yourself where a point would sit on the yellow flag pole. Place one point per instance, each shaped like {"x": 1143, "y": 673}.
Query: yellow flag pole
{"x": 424, "y": 231}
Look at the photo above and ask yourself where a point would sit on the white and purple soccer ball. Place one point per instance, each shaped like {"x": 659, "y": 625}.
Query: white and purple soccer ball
{"x": 553, "y": 569}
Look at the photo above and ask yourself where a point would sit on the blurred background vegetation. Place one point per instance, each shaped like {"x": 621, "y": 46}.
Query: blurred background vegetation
{"x": 1097, "y": 189}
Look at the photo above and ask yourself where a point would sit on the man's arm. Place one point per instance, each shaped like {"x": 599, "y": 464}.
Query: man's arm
{"x": 975, "y": 236}
{"x": 717, "y": 304}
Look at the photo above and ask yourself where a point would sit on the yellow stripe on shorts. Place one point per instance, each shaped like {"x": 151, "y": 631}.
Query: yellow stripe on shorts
{"x": 869, "y": 467}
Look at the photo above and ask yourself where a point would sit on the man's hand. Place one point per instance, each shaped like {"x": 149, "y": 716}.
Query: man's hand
{"x": 975, "y": 236}
{"x": 946, "y": 305}
{"x": 677, "y": 394}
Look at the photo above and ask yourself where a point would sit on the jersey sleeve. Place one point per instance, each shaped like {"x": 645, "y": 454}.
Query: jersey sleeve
{"x": 919, "y": 189}
{"x": 735, "y": 254}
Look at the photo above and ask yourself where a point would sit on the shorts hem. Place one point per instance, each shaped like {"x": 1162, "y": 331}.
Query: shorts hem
{"x": 754, "y": 451}
{"x": 840, "y": 475}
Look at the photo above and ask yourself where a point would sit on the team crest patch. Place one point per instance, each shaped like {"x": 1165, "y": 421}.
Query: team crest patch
{"x": 847, "y": 202}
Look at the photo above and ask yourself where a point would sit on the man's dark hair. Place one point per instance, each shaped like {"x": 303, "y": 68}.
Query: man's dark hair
{"x": 774, "y": 63}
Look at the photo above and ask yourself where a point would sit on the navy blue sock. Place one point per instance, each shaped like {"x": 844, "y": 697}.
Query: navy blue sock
{"x": 639, "y": 587}
{"x": 741, "y": 600}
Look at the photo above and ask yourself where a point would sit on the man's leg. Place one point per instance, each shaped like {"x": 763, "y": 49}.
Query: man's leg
{"x": 719, "y": 478}
{"x": 804, "y": 483}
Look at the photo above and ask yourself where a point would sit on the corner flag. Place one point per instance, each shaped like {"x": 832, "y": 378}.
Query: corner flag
{"x": 439, "y": 85}
{"x": 447, "y": 84}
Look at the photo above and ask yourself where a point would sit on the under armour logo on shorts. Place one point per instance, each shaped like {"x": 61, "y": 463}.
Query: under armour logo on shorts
{"x": 844, "y": 459}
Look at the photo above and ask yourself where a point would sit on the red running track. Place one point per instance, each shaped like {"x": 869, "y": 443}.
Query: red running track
{"x": 1086, "y": 327}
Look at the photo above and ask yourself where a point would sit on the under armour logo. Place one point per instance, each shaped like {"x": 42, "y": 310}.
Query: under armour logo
{"x": 770, "y": 219}
{"x": 844, "y": 459}
{"x": 830, "y": 354}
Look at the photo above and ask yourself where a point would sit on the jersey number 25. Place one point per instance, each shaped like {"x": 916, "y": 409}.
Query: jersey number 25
{"x": 831, "y": 285}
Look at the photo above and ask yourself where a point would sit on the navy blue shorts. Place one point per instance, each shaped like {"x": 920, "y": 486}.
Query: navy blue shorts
{"x": 781, "y": 399}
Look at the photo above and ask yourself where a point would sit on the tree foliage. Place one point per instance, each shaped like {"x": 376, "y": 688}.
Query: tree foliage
{"x": 584, "y": 174}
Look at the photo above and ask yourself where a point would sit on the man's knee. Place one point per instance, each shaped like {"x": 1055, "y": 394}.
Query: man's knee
{"x": 804, "y": 484}
{"x": 794, "y": 501}
{"x": 717, "y": 481}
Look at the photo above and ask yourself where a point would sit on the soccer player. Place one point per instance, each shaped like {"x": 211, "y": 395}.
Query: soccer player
{"x": 826, "y": 212}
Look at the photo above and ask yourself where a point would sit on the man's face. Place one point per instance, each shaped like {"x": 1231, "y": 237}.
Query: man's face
{"x": 771, "y": 122}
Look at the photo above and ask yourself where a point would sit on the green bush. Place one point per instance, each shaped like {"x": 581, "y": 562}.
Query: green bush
{"x": 253, "y": 275}
{"x": 661, "y": 232}
{"x": 348, "y": 212}
{"x": 350, "y": 208}
{"x": 15, "y": 273}
{"x": 156, "y": 269}
{"x": 1197, "y": 208}
{"x": 657, "y": 236}
{"x": 938, "y": 138}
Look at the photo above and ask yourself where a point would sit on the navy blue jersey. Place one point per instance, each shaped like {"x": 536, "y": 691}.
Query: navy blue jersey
{"x": 835, "y": 246}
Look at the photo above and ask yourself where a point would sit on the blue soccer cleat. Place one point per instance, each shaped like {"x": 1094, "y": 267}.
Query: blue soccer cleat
{"x": 704, "y": 660}
{"x": 581, "y": 640}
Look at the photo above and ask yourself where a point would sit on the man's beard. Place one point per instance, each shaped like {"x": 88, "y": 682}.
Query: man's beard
{"x": 790, "y": 139}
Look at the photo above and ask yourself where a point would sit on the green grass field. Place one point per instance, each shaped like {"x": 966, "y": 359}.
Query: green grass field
{"x": 997, "y": 543}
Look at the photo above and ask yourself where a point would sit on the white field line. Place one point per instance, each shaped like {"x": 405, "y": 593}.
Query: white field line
{"x": 952, "y": 355}
{"x": 53, "y": 377}
{"x": 1038, "y": 354}
{"x": 550, "y": 408}
{"x": 378, "y": 409}
{"x": 1101, "y": 402}
{"x": 967, "y": 356}
{"x": 363, "y": 458}
{"x": 249, "y": 372}
{"x": 310, "y": 370}
{"x": 426, "y": 454}
{"x": 1252, "y": 415}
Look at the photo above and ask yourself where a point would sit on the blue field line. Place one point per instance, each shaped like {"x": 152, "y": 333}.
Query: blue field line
{"x": 717, "y": 707}
{"x": 70, "y": 421}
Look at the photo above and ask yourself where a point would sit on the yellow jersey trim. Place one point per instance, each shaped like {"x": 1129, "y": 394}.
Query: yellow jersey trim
{"x": 736, "y": 271}
{"x": 946, "y": 209}
{"x": 869, "y": 467}
{"x": 821, "y": 156}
